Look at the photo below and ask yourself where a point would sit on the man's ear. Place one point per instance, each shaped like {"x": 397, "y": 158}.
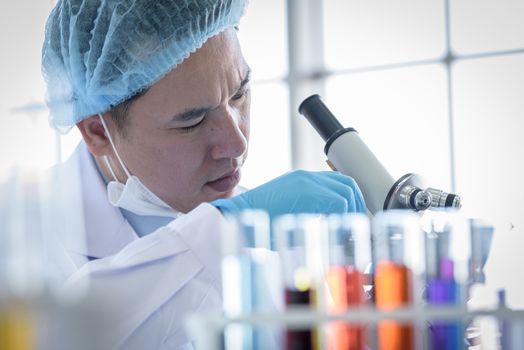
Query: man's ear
{"x": 95, "y": 136}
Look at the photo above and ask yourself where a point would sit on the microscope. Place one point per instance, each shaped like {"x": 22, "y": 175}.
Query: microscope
{"x": 347, "y": 153}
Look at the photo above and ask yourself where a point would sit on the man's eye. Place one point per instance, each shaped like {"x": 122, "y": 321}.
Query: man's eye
{"x": 192, "y": 127}
{"x": 239, "y": 95}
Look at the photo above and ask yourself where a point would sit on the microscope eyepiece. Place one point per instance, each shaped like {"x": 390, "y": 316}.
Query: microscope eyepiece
{"x": 320, "y": 117}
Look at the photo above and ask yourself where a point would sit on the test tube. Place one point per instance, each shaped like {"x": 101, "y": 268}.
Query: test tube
{"x": 447, "y": 254}
{"x": 349, "y": 250}
{"x": 21, "y": 261}
{"x": 38, "y": 310}
{"x": 511, "y": 329}
{"x": 482, "y": 330}
{"x": 481, "y": 235}
{"x": 300, "y": 246}
{"x": 246, "y": 290}
{"x": 398, "y": 247}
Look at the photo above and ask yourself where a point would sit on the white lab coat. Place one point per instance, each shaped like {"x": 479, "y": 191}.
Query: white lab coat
{"x": 151, "y": 284}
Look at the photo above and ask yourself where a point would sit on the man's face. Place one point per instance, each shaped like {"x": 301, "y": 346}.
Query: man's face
{"x": 187, "y": 137}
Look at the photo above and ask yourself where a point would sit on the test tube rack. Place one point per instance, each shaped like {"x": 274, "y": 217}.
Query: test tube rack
{"x": 207, "y": 329}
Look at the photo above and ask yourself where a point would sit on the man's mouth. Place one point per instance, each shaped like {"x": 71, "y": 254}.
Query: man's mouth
{"x": 226, "y": 183}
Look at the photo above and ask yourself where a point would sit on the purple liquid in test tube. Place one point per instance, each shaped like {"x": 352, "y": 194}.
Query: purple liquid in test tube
{"x": 444, "y": 291}
{"x": 446, "y": 269}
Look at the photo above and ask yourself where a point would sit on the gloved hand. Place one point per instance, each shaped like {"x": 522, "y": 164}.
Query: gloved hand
{"x": 300, "y": 192}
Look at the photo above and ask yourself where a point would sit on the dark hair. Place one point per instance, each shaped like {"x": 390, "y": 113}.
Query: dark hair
{"x": 119, "y": 113}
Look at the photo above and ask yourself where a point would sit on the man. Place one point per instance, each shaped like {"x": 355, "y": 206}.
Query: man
{"x": 159, "y": 90}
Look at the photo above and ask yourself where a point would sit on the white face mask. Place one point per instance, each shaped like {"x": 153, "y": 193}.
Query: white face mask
{"x": 134, "y": 195}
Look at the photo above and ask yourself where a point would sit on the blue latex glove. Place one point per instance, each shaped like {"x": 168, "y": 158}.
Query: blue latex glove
{"x": 300, "y": 192}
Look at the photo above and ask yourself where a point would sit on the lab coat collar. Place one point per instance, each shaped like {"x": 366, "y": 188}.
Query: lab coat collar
{"x": 107, "y": 232}
{"x": 153, "y": 247}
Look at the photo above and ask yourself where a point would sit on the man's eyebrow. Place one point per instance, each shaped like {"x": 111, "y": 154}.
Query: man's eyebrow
{"x": 198, "y": 112}
{"x": 191, "y": 114}
{"x": 245, "y": 80}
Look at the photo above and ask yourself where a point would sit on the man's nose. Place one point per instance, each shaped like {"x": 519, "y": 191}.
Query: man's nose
{"x": 229, "y": 140}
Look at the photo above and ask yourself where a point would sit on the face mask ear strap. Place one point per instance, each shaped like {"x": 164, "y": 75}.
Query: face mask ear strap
{"x": 114, "y": 149}
{"x": 106, "y": 159}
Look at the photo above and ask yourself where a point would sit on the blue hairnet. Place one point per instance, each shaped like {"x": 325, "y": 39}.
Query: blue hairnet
{"x": 98, "y": 53}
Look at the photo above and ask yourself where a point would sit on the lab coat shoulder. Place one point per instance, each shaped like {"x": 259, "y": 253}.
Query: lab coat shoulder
{"x": 172, "y": 272}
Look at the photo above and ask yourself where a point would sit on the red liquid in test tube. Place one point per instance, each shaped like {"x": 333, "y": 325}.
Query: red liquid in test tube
{"x": 346, "y": 291}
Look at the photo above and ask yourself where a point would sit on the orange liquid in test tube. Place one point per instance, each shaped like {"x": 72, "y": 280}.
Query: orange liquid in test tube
{"x": 346, "y": 290}
{"x": 393, "y": 290}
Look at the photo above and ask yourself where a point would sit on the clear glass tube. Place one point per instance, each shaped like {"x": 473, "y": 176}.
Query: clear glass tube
{"x": 447, "y": 257}
{"x": 301, "y": 244}
{"x": 349, "y": 252}
{"x": 246, "y": 265}
{"x": 398, "y": 244}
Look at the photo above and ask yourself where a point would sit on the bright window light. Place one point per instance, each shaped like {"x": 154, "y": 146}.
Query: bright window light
{"x": 487, "y": 25}
{"x": 401, "y": 115}
{"x": 269, "y": 147}
{"x": 363, "y": 33}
